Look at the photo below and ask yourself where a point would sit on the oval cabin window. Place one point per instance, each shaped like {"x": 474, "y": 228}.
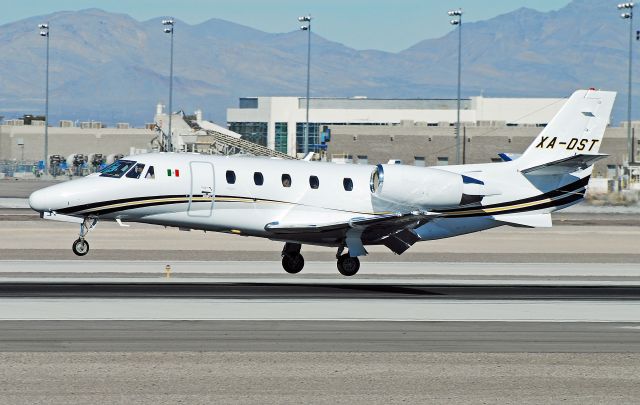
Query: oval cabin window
{"x": 286, "y": 180}
{"x": 231, "y": 177}
{"x": 258, "y": 178}
{"x": 347, "y": 183}
{"x": 314, "y": 182}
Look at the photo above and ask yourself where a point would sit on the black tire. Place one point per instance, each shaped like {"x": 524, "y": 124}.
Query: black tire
{"x": 293, "y": 263}
{"x": 348, "y": 266}
{"x": 80, "y": 247}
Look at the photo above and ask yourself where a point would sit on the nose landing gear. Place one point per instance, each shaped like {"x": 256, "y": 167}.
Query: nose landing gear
{"x": 80, "y": 246}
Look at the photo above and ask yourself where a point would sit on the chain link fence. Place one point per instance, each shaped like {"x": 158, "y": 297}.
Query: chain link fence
{"x": 35, "y": 169}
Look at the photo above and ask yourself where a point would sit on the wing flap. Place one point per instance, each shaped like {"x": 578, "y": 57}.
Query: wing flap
{"x": 392, "y": 230}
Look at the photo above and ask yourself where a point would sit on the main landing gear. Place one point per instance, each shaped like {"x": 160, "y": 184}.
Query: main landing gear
{"x": 347, "y": 265}
{"x": 293, "y": 262}
{"x": 80, "y": 246}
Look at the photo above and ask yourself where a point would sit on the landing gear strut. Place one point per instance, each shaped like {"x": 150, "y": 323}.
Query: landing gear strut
{"x": 292, "y": 260}
{"x": 80, "y": 246}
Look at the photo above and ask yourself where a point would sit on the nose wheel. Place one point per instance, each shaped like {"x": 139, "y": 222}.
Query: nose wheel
{"x": 80, "y": 246}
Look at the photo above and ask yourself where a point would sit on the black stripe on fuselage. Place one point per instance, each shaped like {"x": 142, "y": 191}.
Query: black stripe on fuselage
{"x": 569, "y": 188}
{"x": 92, "y": 206}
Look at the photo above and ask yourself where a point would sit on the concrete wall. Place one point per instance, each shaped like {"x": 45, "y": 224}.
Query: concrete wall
{"x": 523, "y": 111}
{"x": 65, "y": 141}
{"x": 481, "y": 145}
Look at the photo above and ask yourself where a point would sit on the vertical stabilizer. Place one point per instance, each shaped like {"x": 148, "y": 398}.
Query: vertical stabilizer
{"x": 577, "y": 129}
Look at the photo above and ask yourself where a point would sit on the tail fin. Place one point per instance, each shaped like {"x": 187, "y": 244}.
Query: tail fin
{"x": 577, "y": 129}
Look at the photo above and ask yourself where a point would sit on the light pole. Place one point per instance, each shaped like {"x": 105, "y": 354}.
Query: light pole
{"x": 307, "y": 27}
{"x": 458, "y": 13}
{"x": 628, "y": 15}
{"x": 169, "y": 30}
{"x": 44, "y": 32}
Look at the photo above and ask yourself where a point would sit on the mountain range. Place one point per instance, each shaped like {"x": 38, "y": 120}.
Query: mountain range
{"x": 112, "y": 68}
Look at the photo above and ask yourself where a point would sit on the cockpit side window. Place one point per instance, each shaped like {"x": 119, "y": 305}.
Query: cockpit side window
{"x": 136, "y": 171}
{"x": 117, "y": 169}
{"x": 150, "y": 173}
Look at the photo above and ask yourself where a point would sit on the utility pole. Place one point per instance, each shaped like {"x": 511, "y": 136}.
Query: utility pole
{"x": 169, "y": 30}
{"x": 307, "y": 28}
{"x": 458, "y": 22}
{"x": 44, "y": 32}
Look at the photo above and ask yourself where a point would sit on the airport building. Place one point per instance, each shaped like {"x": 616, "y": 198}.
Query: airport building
{"x": 414, "y": 131}
{"x": 73, "y": 149}
{"x": 431, "y": 146}
{"x": 278, "y": 122}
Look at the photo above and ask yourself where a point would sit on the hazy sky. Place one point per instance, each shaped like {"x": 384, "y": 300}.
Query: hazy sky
{"x": 390, "y": 25}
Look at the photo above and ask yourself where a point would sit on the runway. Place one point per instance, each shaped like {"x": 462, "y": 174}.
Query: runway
{"x": 318, "y": 336}
{"x": 506, "y": 316}
{"x": 255, "y": 306}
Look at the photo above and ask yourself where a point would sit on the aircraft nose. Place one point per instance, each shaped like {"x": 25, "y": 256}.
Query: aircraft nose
{"x": 38, "y": 201}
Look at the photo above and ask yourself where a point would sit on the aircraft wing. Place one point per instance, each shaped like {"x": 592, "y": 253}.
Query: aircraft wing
{"x": 392, "y": 230}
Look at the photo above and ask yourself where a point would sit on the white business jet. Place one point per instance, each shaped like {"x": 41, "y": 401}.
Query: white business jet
{"x": 337, "y": 205}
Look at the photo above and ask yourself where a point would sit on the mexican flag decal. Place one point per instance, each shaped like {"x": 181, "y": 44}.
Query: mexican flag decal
{"x": 174, "y": 172}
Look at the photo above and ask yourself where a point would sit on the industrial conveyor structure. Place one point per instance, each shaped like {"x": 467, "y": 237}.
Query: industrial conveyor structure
{"x": 197, "y": 135}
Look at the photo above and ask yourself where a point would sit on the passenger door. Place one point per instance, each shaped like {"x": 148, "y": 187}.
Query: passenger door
{"x": 202, "y": 189}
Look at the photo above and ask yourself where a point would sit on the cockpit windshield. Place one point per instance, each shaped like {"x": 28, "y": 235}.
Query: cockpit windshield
{"x": 117, "y": 169}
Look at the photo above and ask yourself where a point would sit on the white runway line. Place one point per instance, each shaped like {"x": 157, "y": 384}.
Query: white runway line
{"x": 341, "y": 310}
{"x": 323, "y": 268}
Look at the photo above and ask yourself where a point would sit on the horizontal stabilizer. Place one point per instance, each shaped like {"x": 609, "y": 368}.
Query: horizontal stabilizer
{"x": 508, "y": 157}
{"x": 526, "y": 221}
{"x": 566, "y": 165}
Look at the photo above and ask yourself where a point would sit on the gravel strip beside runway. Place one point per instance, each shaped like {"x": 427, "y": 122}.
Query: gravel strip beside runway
{"x": 318, "y": 378}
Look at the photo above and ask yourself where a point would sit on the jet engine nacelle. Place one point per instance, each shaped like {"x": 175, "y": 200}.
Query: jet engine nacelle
{"x": 397, "y": 187}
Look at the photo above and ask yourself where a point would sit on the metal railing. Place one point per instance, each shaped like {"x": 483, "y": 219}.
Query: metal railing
{"x": 224, "y": 144}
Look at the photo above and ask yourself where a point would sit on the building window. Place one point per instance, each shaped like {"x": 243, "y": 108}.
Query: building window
{"x": 363, "y": 160}
{"x": 258, "y": 178}
{"x": 418, "y": 161}
{"x": 286, "y": 180}
{"x": 347, "y": 183}
{"x": 255, "y": 132}
{"x": 314, "y": 182}
{"x": 281, "y": 137}
{"x": 248, "y": 102}
{"x": 443, "y": 160}
{"x": 314, "y": 138}
{"x": 231, "y": 177}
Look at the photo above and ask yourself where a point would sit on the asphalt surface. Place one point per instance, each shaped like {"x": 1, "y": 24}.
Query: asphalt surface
{"x": 318, "y": 336}
{"x": 318, "y": 378}
{"x": 11, "y": 188}
{"x": 285, "y": 291}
